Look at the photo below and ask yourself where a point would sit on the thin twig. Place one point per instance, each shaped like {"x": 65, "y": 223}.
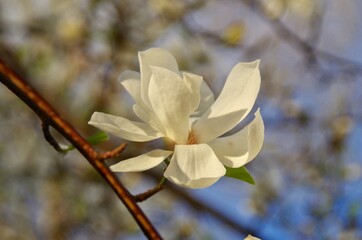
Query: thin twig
{"x": 49, "y": 137}
{"x": 50, "y": 117}
{"x": 146, "y": 195}
{"x": 113, "y": 153}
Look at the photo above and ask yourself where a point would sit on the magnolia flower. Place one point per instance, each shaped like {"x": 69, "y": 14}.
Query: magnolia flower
{"x": 180, "y": 107}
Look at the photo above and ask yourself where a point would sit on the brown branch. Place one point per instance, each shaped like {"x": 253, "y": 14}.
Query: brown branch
{"x": 50, "y": 117}
{"x": 113, "y": 153}
{"x": 48, "y": 136}
{"x": 144, "y": 196}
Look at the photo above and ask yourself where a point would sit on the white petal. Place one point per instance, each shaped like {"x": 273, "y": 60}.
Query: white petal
{"x": 214, "y": 126}
{"x": 124, "y": 128}
{"x": 194, "y": 83}
{"x": 238, "y": 96}
{"x": 154, "y": 57}
{"x": 142, "y": 162}
{"x": 206, "y": 100}
{"x": 173, "y": 100}
{"x": 240, "y": 148}
{"x": 133, "y": 87}
{"x": 194, "y": 166}
{"x": 128, "y": 74}
{"x": 255, "y": 136}
{"x": 148, "y": 117}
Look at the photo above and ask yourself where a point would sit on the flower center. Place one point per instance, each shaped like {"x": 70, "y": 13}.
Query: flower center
{"x": 191, "y": 139}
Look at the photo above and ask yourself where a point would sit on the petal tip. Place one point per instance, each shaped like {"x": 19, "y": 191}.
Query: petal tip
{"x": 253, "y": 64}
{"x": 112, "y": 168}
{"x": 257, "y": 112}
{"x": 92, "y": 118}
{"x": 152, "y": 51}
{"x": 128, "y": 75}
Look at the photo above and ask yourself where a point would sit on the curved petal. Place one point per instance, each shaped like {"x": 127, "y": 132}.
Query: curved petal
{"x": 215, "y": 125}
{"x": 130, "y": 81}
{"x": 124, "y": 128}
{"x": 154, "y": 57}
{"x": 206, "y": 100}
{"x": 128, "y": 74}
{"x": 194, "y": 166}
{"x": 242, "y": 147}
{"x": 193, "y": 83}
{"x": 173, "y": 100}
{"x": 133, "y": 87}
{"x": 238, "y": 95}
{"x": 142, "y": 162}
{"x": 148, "y": 117}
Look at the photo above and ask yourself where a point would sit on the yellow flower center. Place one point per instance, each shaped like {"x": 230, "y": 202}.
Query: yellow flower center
{"x": 192, "y": 139}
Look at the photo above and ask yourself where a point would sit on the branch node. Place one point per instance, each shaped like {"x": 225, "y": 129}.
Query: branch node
{"x": 113, "y": 153}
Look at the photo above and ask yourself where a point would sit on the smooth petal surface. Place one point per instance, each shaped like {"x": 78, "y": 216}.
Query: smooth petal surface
{"x": 124, "y": 128}
{"x": 194, "y": 166}
{"x": 133, "y": 87}
{"x": 238, "y": 95}
{"x": 148, "y": 117}
{"x": 128, "y": 74}
{"x": 216, "y": 125}
{"x": 130, "y": 81}
{"x": 154, "y": 57}
{"x": 173, "y": 100}
{"x": 193, "y": 83}
{"x": 142, "y": 162}
{"x": 206, "y": 100}
{"x": 240, "y": 148}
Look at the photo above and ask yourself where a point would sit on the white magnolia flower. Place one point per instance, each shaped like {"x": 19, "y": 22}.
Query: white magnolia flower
{"x": 168, "y": 102}
{"x": 250, "y": 237}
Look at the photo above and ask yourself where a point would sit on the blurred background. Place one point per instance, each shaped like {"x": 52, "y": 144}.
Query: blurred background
{"x": 308, "y": 174}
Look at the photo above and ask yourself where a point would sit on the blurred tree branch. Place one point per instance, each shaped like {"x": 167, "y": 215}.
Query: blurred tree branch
{"x": 50, "y": 117}
{"x": 202, "y": 207}
{"x": 310, "y": 52}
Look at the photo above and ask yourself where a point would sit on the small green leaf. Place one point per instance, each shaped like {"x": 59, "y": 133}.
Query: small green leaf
{"x": 98, "y": 138}
{"x": 240, "y": 173}
{"x": 93, "y": 139}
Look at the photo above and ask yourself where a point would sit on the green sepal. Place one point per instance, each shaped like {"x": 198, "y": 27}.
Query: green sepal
{"x": 240, "y": 173}
{"x": 93, "y": 139}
